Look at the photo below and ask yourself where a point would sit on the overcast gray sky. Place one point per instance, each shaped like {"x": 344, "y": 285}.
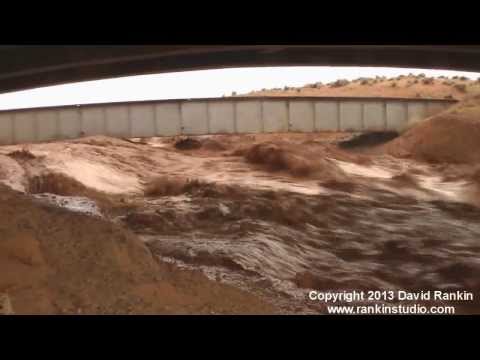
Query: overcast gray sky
{"x": 195, "y": 84}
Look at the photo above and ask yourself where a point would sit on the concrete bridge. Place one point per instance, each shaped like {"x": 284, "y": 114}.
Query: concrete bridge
{"x": 24, "y": 67}
{"x": 213, "y": 116}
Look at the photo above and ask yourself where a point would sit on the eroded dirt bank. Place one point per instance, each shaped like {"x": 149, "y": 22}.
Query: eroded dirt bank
{"x": 61, "y": 262}
{"x": 112, "y": 225}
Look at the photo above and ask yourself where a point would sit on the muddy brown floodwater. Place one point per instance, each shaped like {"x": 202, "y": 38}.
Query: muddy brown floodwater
{"x": 282, "y": 243}
{"x": 275, "y": 215}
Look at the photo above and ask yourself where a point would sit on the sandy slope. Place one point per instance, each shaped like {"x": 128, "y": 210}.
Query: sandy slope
{"x": 452, "y": 136}
{"x": 55, "y": 261}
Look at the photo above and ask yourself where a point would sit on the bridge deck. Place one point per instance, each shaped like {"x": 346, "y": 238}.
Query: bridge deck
{"x": 213, "y": 116}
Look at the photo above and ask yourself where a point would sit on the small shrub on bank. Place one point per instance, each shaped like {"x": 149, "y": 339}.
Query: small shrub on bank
{"x": 461, "y": 87}
{"x": 339, "y": 83}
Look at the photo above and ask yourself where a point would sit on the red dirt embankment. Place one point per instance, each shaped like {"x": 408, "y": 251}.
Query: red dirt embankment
{"x": 55, "y": 262}
{"x": 452, "y": 136}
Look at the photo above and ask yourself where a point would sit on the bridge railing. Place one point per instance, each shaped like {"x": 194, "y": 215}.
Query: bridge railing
{"x": 213, "y": 116}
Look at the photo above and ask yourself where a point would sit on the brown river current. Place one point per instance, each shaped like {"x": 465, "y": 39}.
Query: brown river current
{"x": 341, "y": 224}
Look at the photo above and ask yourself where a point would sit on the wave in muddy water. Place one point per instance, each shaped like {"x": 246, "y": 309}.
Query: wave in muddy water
{"x": 378, "y": 224}
{"x": 76, "y": 204}
{"x": 283, "y": 244}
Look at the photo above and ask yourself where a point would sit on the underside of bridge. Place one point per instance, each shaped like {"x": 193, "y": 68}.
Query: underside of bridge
{"x": 24, "y": 67}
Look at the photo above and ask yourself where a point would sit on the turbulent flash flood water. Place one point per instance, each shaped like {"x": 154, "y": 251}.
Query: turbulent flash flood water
{"x": 393, "y": 225}
{"x": 381, "y": 224}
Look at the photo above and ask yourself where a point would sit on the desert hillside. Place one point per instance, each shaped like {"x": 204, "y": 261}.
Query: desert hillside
{"x": 406, "y": 86}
